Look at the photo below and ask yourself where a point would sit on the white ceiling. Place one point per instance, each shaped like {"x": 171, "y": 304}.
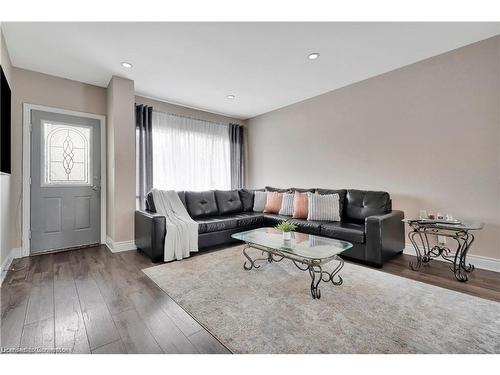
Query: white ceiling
{"x": 264, "y": 65}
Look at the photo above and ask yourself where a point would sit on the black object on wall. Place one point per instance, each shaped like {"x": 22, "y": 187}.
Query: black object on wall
{"x": 5, "y": 141}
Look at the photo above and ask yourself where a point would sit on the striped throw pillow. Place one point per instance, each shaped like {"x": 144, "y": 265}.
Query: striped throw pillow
{"x": 287, "y": 205}
{"x": 259, "y": 201}
{"x": 323, "y": 207}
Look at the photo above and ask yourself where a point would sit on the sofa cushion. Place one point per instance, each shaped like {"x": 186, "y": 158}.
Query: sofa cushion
{"x": 350, "y": 232}
{"x": 272, "y": 220}
{"x": 246, "y": 197}
{"x": 277, "y": 190}
{"x": 217, "y": 223}
{"x": 301, "y": 190}
{"x": 360, "y": 204}
{"x": 245, "y": 219}
{"x": 307, "y": 226}
{"x": 202, "y": 227}
{"x": 228, "y": 201}
{"x": 150, "y": 204}
{"x": 201, "y": 204}
{"x": 182, "y": 196}
{"x": 342, "y": 194}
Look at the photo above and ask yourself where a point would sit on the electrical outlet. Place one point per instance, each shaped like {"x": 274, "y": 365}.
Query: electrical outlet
{"x": 442, "y": 240}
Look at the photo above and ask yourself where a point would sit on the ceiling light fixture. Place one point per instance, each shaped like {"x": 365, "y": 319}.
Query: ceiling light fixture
{"x": 126, "y": 65}
{"x": 313, "y": 56}
{"x": 230, "y": 96}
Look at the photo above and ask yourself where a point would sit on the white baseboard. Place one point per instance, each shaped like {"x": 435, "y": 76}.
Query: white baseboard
{"x": 485, "y": 263}
{"x": 116, "y": 247}
{"x": 13, "y": 254}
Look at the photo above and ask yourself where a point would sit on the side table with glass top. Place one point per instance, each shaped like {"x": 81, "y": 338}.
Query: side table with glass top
{"x": 460, "y": 232}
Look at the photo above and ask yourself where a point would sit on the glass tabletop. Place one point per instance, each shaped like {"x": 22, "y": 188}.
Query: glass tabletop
{"x": 460, "y": 225}
{"x": 301, "y": 245}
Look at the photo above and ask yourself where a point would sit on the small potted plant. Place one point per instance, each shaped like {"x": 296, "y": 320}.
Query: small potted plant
{"x": 286, "y": 227}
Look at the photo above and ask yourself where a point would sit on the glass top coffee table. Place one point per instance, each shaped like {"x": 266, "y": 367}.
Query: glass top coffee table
{"x": 308, "y": 252}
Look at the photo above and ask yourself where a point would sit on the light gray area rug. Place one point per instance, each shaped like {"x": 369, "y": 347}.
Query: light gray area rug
{"x": 270, "y": 309}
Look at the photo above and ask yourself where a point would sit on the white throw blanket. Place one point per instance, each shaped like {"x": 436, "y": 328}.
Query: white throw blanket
{"x": 182, "y": 231}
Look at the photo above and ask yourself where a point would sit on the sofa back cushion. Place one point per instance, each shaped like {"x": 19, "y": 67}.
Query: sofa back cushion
{"x": 279, "y": 190}
{"x": 150, "y": 204}
{"x": 246, "y": 197}
{"x": 302, "y": 190}
{"x": 201, "y": 203}
{"x": 182, "y": 196}
{"x": 362, "y": 203}
{"x": 228, "y": 201}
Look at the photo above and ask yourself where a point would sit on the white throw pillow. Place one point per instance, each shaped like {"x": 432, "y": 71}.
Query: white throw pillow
{"x": 287, "y": 204}
{"x": 323, "y": 207}
{"x": 259, "y": 201}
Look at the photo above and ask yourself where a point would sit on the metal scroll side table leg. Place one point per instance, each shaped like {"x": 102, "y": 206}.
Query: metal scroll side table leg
{"x": 421, "y": 254}
{"x": 460, "y": 268}
{"x": 426, "y": 253}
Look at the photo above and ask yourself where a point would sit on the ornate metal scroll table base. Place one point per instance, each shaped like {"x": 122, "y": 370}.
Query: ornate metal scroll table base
{"x": 313, "y": 266}
{"x": 419, "y": 237}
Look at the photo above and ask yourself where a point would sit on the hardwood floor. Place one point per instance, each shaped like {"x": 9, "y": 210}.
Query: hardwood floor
{"x": 482, "y": 283}
{"x": 95, "y": 301}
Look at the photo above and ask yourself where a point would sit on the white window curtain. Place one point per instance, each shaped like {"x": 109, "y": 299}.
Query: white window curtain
{"x": 190, "y": 154}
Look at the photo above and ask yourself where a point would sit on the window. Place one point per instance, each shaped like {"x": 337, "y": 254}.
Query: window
{"x": 66, "y": 154}
{"x": 190, "y": 154}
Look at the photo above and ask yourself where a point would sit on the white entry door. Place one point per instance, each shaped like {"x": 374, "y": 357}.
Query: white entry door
{"x": 65, "y": 181}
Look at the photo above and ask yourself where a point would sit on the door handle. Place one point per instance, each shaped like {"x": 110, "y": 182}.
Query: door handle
{"x": 96, "y": 181}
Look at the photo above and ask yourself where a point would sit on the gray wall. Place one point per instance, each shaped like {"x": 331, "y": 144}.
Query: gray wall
{"x": 427, "y": 133}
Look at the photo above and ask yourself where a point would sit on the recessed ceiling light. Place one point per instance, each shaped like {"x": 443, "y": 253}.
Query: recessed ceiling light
{"x": 230, "y": 96}
{"x": 126, "y": 65}
{"x": 313, "y": 56}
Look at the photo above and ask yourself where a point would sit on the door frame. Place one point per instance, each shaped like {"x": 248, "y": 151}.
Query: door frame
{"x": 26, "y": 196}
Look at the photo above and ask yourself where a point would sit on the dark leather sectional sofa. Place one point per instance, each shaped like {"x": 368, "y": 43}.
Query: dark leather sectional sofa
{"x": 367, "y": 221}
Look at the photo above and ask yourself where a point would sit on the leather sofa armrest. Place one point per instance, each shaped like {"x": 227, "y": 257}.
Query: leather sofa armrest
{"x": 150, "y": 230}
{"x": 385, "y": 236}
